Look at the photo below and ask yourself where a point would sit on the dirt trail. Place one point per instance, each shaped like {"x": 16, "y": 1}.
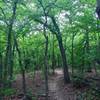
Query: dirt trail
{"x": 60, "y": 91}
{"x": 54, "y": 90}
{"x": 57, "y": 89}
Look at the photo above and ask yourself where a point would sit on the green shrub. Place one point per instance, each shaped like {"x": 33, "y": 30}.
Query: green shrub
{"x": 7, "y": 91}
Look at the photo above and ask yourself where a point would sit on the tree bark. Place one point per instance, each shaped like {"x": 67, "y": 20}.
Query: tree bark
{"x": 8, "y": 60}
{"x": 1, "y": 67}
{"x": 46, "y": 57}
{"x": 72, "y": 54}
{"x": 98, "y": 8}
{"x": 12, "y": 63}
{"x": 88, "y": 50}
{"x": 53, "y": 56}
{"x": 21, "y": 66}
{"x": 65, "y": 66}
{"x": 62, "y": 50}
{"x": 46, "y": 67}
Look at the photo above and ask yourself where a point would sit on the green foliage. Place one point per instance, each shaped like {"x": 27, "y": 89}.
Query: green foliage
{"x": 7, "y": 91}
{"x": 76, "y": 20}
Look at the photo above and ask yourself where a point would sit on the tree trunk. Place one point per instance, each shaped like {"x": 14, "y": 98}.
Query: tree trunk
{"x": 72, "y": 54}
{"x": 22, "y": 69}
{"x": 53, "y": 56}
{"x": 46, "y": 58}
{"x": 88, "y": 51}
{"x": 62, "y": 50}
{"x": 8, "y": 60}
{"x": 46, "y": 67}
{"x": 98, "y": 8}
{"x": 83, "y": 59}
{"x": 65, "y": 66}
{"x": 58, "y": 60}
{"x": 1, "y": 67}
{"x": 12, "y": 63}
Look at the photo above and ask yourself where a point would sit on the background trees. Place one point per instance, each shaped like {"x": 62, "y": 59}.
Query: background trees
{"x": 71, "y": 36}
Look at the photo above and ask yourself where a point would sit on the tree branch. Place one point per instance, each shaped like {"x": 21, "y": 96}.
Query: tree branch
{"x": 4, "y": 16}
{"x": 48, "y": 26}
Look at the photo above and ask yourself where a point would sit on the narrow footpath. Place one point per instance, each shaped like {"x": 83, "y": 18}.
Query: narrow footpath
{"x": 54, "y": 89}
{"x": 58, "y": 90}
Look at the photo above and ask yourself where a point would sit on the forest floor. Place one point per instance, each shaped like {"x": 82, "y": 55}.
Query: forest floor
{"x": 57, "y": 89}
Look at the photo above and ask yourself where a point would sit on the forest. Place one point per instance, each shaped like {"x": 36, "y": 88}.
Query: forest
{"x": 49, "y": 49}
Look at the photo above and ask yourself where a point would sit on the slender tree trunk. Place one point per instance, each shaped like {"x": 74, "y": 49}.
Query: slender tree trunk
{"x": 8, "y": 61}
{"x": 88, "y": 51}
{"x": 10, "y": 69}
{"x": 62, "y": 50}
{"x": 83, "y": 59}
{"x": 1, "y": 70}
{"x": 53, "y": 56}
{"x": 46, "y": 55}
{"x": 58, "y": 65}
{"x": 65, "y": 66}
{"x": 98, "y": 8}
{"x": 1, "y": 67}
{"x": 72, "y": 54}
{"x": 46, "y": 67}
{"x": 22, "y": 68}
